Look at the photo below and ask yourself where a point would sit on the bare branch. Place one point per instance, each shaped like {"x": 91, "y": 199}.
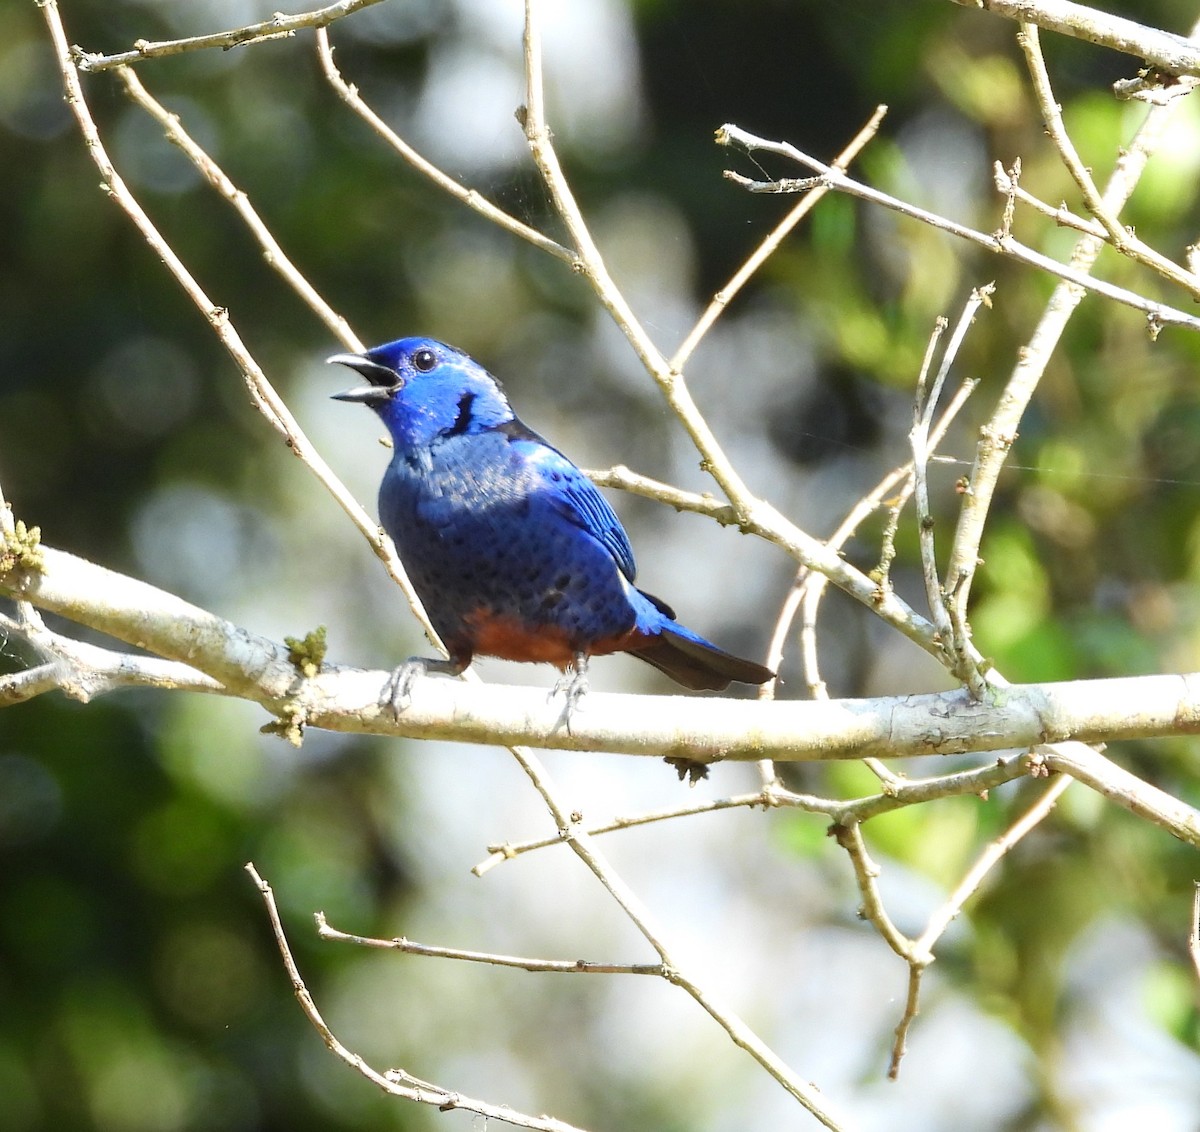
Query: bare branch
{"x": 278, "y": 26}
{"x": 85, "y": 671}
{"x": 272, "y": 253}
{"x": 898, "y": 793}
{"x": 987, "y": 860}
{"x": 1121, "y": 238}
{"x": 1194, "y": 933}
{"x": 261, "y": 391}
{"x": 1090, "y": 767}
{"x": 395, "y": 1082}
{"x": 17, "y": 687}
{"x": 921, "y": 954}
{"x": 766, "y": 249}
{"x": 952, "y": 638}
{"x": 1000, "y": 432}
{"x": 866, "y": 874}
{"x": 1000, "y": 242}
{"x": 705, "y": 728}
{"x": 245, "y": 665}
{"x": 508, "y": 851}
{"x": 624, "y": 479}
{"x": 1164, "y": 50}
{"x": 1008, "y": 184}
{"x": 470, "y": 197}
{"x": 525, "y": 963}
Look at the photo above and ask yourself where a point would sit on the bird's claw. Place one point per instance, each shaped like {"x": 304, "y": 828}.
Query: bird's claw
{"x": 572, "y": 685}
{"x": 397, "y": 689}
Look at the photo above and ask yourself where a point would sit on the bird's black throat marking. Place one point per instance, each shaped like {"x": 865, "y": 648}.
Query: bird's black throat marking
{"x": 516, "y": 429}
{"x": 463, "y": 421}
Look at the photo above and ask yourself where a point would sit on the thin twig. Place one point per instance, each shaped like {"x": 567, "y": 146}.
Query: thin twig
{"x": 472, "y": 198}
{"x": 921, "y": 955}
{"x": 524, "y": 963}
{"x": 1194, "y": 934}
{"x": 953, "y": 636}
{"x": 812, "y": 586}
{"x": 821, "y": 557}
{"x": 261, "y": 391}
{"x": 987, "y": 860}
{"x": 278, "y": 26}
{"x": 1158, "y": 315}
{"x": 395, "y": 1082}
{"x": 272, "y": 253}
{"x": 700, "y": 503}
{"x": 803, "y": 602}
{"x": 1007, "y": 184}
{"x": 767, "y": 248}
{"x": 767, "y": 773}
{"x": 508, "y": 851}
{"x": 592, "y": 266}
{"x": 912, "y": 1007}
{"x": 804, "y": 598}
{"x": 866, "y": 874}
{"x": 897, "y": 793}
{"x": 1000, "y": 432}
{"x": 924, "y": 403}
{"x": 1122, "y": 239}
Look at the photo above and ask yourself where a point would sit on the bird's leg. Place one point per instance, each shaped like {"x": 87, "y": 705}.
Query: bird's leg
{"x": 397, "y": 689}
{"x": 572, "y": 684}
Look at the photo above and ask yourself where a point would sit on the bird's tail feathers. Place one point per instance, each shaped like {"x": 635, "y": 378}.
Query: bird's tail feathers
{"x": 692, "y": 661}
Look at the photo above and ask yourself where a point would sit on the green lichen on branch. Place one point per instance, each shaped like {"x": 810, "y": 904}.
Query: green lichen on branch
{"x": 308, "y": 654}
{"x": 21, "y": 549}
{"x": 289, "y": 727}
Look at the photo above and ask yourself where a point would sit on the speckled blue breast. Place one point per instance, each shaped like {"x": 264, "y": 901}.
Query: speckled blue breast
{"x": 495, "y": 533}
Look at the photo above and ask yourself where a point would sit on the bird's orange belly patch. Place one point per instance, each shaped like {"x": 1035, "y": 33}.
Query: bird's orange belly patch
{"x": 497, "y": 634}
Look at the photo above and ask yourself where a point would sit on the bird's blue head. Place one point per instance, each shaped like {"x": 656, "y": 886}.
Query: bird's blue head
{"x": 424, "y": 390}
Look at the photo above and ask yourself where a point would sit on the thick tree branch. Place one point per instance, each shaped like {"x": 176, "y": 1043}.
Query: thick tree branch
{"x": 344, "y": 699}
{"x": 248, "y": 666}
{"x": 85, "y": 671}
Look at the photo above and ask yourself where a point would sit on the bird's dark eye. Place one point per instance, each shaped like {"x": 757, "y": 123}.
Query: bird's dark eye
{"x": 424, "y": 359}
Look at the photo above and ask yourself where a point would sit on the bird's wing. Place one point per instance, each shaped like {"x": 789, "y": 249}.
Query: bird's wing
{"x": 583, "y": 504}
{"x": 575, "y": 497}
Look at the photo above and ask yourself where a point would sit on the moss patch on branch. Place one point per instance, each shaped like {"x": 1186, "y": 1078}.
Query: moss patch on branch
{"x": 21, "y": 549}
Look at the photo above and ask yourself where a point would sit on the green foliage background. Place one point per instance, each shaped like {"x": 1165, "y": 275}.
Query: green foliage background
{"x": 139, "y": 990}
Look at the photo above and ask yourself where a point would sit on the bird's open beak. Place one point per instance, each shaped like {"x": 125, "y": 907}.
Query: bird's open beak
{"x": 384, "y": 381}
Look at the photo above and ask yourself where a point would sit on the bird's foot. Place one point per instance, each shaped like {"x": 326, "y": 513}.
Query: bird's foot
{"x": 572, "y": 685}
{"x": 397, "y": 689}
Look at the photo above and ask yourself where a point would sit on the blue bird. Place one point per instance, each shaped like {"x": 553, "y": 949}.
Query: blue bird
{"x": 512, "y": 550}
